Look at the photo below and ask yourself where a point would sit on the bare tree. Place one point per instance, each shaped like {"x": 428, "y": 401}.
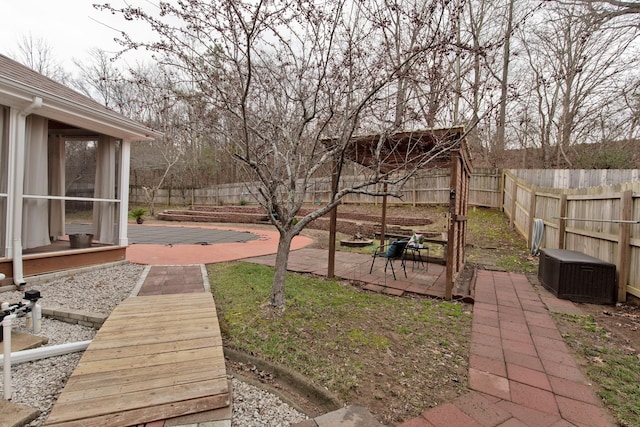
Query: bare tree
{"x": 487, "y": 49}
{"x": 613, "y": 8}
{"x": 575, "y": 56}
{"x": 480, "y": 37}
{"x": 155, "y": 103}
{"x": 423, "y": 88}
{"x": 504, "y": 79}
{"x": 100, "y": 79}
{"x": 630, "y": 94}
{"x": 294, "y": 82}
{"x": 37, "y": 54}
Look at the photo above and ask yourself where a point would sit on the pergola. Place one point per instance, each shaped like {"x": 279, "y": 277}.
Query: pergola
{"x": 432, "y": 148}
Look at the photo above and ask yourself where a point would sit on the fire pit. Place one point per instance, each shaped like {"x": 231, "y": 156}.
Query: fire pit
{"x": 356, "y": 241}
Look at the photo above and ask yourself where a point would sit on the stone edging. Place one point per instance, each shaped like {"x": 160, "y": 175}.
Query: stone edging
{"x": 297, "y": 381}
{"x": 84, "y": 318}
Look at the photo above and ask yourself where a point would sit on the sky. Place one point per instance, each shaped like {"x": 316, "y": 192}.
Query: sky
{"x": 70, "y": 27}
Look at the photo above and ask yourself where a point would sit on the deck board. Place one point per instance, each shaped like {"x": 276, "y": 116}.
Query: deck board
{"x": 156, "y": 357}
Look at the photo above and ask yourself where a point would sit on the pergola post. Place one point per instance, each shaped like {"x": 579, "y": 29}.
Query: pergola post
{"x": 333, "y": 221}
{"x": 452, "y": 248}
{"x": 383, "y": 219}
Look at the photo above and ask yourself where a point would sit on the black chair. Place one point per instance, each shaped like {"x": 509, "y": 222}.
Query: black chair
{"x": 393, "y": 251}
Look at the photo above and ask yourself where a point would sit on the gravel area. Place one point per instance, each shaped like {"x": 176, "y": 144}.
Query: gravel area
{"x": 96, "y": 290}
{"x": 254, "y": 407}
{"x": 38, "y": 384}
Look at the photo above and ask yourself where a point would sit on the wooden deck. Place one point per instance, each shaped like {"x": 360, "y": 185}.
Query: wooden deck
{"x": 58, "y": 256}
{"x": 155, "y": 358}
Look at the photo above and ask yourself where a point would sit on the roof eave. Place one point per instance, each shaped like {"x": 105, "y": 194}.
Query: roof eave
{"x": 18, "y": 95}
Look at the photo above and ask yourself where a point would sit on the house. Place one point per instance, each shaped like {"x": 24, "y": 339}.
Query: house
{"x": 60, "y": 153}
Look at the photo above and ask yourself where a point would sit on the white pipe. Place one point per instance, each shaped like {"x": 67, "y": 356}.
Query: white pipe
{"x": 49, "y": 351}
{"x": 18, "y": 190}
{"x": 34, "y": 317}
{"x": 6, "y": 359}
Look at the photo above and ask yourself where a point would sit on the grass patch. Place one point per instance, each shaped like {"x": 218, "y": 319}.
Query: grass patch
{"x": 517, "y": 263}
{"x": 489, "y": 230}
{"x": 618, "y": 378}
{"x": 490, "y": 223}
{"x": 615, "y": 370}
{"x": 393, "y": 355}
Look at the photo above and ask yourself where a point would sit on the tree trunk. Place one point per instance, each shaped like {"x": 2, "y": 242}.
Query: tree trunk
{"x": 502, "y": 117}
{"x": 279, "y": 276}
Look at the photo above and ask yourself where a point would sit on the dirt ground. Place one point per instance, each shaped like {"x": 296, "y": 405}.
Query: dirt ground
{"x": 491, "y": 244}
{"x": 621, "y": 324}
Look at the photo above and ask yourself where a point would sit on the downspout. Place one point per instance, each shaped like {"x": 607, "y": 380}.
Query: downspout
{"x": 18, "y": 188}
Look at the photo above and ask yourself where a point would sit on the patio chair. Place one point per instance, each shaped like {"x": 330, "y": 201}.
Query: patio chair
{"x": 393, "y": 251}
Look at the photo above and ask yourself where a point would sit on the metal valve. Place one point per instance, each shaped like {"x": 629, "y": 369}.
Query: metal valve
{"x": 32, "y": 295}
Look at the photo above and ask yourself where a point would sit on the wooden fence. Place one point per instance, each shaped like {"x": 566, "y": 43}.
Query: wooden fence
{"x": 575, "y": 178}
{"x": 430, "y": 188}
{"x": 599, "y": 221}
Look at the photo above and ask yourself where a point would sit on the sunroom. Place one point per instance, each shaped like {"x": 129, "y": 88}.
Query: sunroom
{"x": 64, "y": 159}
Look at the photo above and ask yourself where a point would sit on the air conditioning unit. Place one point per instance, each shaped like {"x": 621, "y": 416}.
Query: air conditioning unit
{"x": 577, "y": 277}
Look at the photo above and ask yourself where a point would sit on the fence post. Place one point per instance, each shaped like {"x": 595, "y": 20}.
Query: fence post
{"x": 532, "y": 214}
{"x": 501, "y": 190}
{"x": 562, "y": 224}
{"x": 333, "y": 221}
{"x": 514, "y": 195}
{"x": 313, "y": 197}
{"x": 375, "y": 199}
{"x": 413, "y": 190}
{"x": 624, "y": 240}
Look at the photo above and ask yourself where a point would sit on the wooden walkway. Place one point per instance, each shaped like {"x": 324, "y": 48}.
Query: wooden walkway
{"x": 155, "y": 358}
